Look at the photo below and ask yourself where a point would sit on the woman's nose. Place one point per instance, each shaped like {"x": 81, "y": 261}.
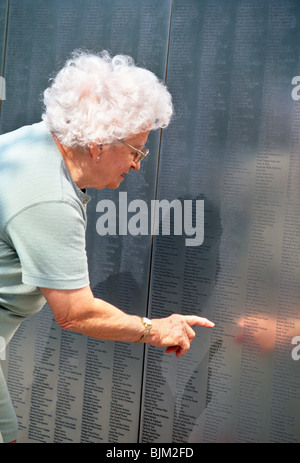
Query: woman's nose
{"x": 136, "y": 165}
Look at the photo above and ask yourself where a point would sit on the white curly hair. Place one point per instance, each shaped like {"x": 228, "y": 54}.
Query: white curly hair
{"x": 96, "y": 98}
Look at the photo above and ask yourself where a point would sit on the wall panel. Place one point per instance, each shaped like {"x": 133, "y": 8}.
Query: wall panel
{"x": 235, "y": 144}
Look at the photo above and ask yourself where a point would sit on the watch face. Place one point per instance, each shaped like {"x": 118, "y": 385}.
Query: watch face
{"x": 146, "y": 320}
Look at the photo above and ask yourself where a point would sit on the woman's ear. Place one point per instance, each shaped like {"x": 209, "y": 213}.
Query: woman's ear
{"x": 95, "y": 151}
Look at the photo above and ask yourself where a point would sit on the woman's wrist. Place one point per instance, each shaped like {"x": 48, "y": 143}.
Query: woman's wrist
{"x": 147, "y": 324}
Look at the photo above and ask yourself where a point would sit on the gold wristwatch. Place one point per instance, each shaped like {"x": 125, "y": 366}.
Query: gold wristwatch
{"x": 148, "y": 324}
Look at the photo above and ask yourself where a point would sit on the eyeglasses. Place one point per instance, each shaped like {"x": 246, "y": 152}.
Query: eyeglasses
{"x": 140, "y": 154}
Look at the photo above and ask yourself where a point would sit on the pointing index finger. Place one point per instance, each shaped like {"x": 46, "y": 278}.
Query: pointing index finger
{"x": 200, "y": 321}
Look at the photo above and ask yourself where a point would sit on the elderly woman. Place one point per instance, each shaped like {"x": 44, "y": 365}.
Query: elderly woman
{"x": 98, "y": 114}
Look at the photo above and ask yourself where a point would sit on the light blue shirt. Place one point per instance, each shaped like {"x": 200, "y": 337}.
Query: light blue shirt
{"x": 42, "y": 225}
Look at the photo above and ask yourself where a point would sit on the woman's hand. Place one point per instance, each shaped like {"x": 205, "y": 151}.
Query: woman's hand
{"x": 175, "y": 332}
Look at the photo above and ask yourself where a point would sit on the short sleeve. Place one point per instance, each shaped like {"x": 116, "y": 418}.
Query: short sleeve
{"x": 50, "y": 241}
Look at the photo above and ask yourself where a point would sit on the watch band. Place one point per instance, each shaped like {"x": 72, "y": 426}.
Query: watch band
{"x": 147, "y": 323}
